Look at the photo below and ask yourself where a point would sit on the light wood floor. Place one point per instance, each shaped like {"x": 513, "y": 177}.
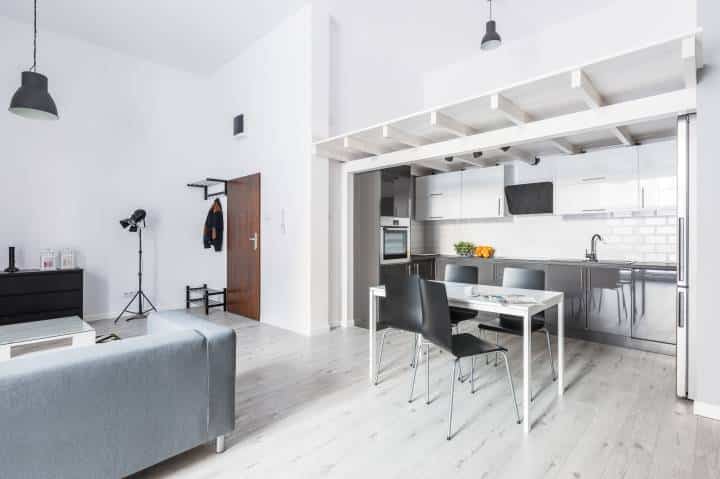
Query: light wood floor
{"x": 305, "y": 409}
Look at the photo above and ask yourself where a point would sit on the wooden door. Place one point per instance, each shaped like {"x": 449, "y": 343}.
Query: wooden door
{"x": 243, "y": 237}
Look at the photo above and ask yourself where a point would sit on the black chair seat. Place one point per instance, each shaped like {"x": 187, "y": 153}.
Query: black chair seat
{"x": 511, "y": 324}
{"x": 465, "y": 345}
{"x": 458, "y": 315}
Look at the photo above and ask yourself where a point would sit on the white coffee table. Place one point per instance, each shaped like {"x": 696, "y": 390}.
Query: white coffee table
{"x": 51, "y": 330}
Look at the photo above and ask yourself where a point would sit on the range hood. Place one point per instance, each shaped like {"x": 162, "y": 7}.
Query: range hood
{"x": 530, "y": 198}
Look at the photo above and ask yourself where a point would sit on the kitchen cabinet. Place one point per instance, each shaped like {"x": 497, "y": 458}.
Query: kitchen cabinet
{"x": 603, "y": 181}
{"x": 437, "y": 197}
{"x": 609, "y": 300}
{"x": 570, "y": 279}
{"x": 474, "y": 193}
{"x": 657, "y": 173}
{"x": 654, "y": 306}
{"x": 423, "y": 267}
{"x": 483, "y": 193}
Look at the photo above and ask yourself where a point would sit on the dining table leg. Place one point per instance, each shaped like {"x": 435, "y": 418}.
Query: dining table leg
{"x": 561, "y": 347}
{"x": 372, "y": 328}
{"x": 527, "y": 365}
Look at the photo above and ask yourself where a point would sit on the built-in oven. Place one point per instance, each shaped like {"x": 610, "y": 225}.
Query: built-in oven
{"x": 394, "y": 240}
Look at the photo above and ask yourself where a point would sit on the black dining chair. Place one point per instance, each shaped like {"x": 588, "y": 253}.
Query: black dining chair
{"x": 456, "y": 273}
{"x": 401, "y": 310}
{"x": 524, "y": 279}
{"x": 436, "y": 329}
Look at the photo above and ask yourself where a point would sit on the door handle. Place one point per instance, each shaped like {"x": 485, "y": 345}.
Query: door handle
{"x": 254, "y": 239}
{"x": 682, "y": 307}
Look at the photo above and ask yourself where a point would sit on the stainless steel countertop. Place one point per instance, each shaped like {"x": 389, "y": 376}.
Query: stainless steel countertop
{"x": 560, "y": 261}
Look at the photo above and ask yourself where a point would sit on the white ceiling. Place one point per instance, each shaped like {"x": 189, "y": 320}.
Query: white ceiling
{"x": 201, "y": 35}
{"x": 192, "y": 35}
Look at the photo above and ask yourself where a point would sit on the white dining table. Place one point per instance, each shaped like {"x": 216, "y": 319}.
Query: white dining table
{"x": 473, "y": 296}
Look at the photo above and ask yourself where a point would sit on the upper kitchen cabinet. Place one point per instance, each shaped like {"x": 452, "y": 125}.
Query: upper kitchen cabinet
{"x": 657, "y": 172}
{"x": 483, "y": 192}
{"x": 603, "y": 181}
{"x": 437, "y": 197}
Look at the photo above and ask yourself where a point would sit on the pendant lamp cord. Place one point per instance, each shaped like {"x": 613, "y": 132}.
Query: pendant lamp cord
{"x": 489, "y": 1}
{"x": 34, "y": 65}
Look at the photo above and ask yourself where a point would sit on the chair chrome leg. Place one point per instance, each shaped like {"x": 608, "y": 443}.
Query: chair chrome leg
{"x": 418, "y": 351}
{"x": 552, "y": 363}
{"x": 512, "y": 387}
{"x": 427, "y": 373}
{"x": 382, "y": 345}
{"x": 497, "y": 341}
{"x": 472, "y": 375}
{"x": 452, "y": 397}
{"x": 617, "y": 293}
{"x": 461, "y": 376}
{"x": 414, "y": 351}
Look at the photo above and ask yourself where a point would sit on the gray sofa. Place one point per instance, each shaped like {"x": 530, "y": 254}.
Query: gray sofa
{"x": 110, "y": 410}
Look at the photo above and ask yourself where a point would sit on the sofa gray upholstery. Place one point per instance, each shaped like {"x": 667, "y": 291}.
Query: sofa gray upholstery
{"x": 109, "y": 410}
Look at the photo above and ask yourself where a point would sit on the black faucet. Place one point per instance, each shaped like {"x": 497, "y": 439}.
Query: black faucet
{"x": 592, "y": 255}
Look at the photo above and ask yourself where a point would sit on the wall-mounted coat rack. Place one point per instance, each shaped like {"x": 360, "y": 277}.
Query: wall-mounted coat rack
{"x": 209, "y": 183}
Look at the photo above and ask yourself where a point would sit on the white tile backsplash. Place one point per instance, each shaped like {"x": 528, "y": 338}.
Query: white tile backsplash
{"x": 544, "y": 236}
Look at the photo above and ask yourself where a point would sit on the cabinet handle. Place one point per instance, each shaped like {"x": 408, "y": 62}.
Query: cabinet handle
{"x": 435, "y": 217}
{"x": 594, "y": 178}
{"x": 642, "y": 197}
{"x": 597, "y": 210}
{"x": 435, "y": 195}
{"x": 499, "y": 200}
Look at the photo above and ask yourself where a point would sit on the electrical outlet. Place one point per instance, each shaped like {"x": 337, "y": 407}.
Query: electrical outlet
{"x": 128, "y": 294}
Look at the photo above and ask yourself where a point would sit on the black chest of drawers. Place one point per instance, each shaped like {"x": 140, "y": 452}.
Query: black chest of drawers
{"x": 36, "y": 295}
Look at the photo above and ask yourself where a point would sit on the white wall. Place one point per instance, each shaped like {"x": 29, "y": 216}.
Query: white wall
{"x": 272, "y": 84}
{"x": 132, "y": 134}
{"x": 705, "y": 262}
{"x": 129, "y": 136}
{"x": 561, "y": 43}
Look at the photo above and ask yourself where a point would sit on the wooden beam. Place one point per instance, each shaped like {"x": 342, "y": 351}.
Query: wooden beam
{"x": 451, "y": 125}
{"x": 392, "y": 133}
{"x": 434, "y": 166}
{"x": 355, "y": 144}
{"x": 509, "y": 109}
{"x": 580, "y": 82}
{"x": 323, "y": 151}
{"x": 689, "y": 62}
{"x": 564, "y": 146}
{"x": 666, "y": 105}
{"x": 470, "y": 160}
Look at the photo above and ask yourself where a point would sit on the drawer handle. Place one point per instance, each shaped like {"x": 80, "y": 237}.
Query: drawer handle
{"x": 597, "y": 210}
{"x": 595, "y": 178}
{"x": 435, "y": 195}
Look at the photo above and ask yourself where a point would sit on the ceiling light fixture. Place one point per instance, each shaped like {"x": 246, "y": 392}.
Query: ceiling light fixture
{"x": 32, "y": 99}
{"x": 491, "y": 40}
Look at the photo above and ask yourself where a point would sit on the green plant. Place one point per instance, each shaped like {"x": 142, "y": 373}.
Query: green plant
{"x": 464, "y": 248}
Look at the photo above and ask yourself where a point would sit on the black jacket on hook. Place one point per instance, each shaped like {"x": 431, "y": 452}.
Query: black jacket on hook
{"x": 213, "y": 230}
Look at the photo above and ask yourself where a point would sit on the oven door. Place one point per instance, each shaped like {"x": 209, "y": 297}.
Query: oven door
{"x": 394, "y": 245}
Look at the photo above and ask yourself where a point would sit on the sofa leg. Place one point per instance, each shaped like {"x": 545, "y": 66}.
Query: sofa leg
{"x": 220, "y": 444}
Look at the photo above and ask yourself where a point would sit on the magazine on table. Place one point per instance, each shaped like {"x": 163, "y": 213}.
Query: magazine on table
{"x": 504, "y": 299}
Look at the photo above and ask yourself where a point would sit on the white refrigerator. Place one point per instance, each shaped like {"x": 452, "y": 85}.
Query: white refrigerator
{"x": 686, "y": 150}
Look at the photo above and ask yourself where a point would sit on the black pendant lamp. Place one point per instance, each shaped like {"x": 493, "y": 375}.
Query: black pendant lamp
{"x": 491, "y": 40}
{"x": 32, "y": 99}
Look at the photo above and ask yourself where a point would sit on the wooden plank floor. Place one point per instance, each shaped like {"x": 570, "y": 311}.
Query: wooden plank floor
{"x": 304, "y": 409}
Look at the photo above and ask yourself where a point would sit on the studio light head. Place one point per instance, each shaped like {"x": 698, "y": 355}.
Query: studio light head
{"x": 134, "y": 220}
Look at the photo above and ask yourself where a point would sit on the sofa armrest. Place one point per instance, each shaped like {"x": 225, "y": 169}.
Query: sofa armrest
{"x": 221, "y": 363}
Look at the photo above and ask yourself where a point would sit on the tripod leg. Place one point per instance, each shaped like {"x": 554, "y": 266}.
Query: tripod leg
{"x": 125, "y": 309}
{"x": 149, "y": 302}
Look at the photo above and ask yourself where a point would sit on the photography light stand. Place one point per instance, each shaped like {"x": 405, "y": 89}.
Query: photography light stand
{"x": 134, "y": 223}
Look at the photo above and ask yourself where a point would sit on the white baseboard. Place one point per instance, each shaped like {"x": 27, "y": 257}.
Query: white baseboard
{"x": 711, "y": 411}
